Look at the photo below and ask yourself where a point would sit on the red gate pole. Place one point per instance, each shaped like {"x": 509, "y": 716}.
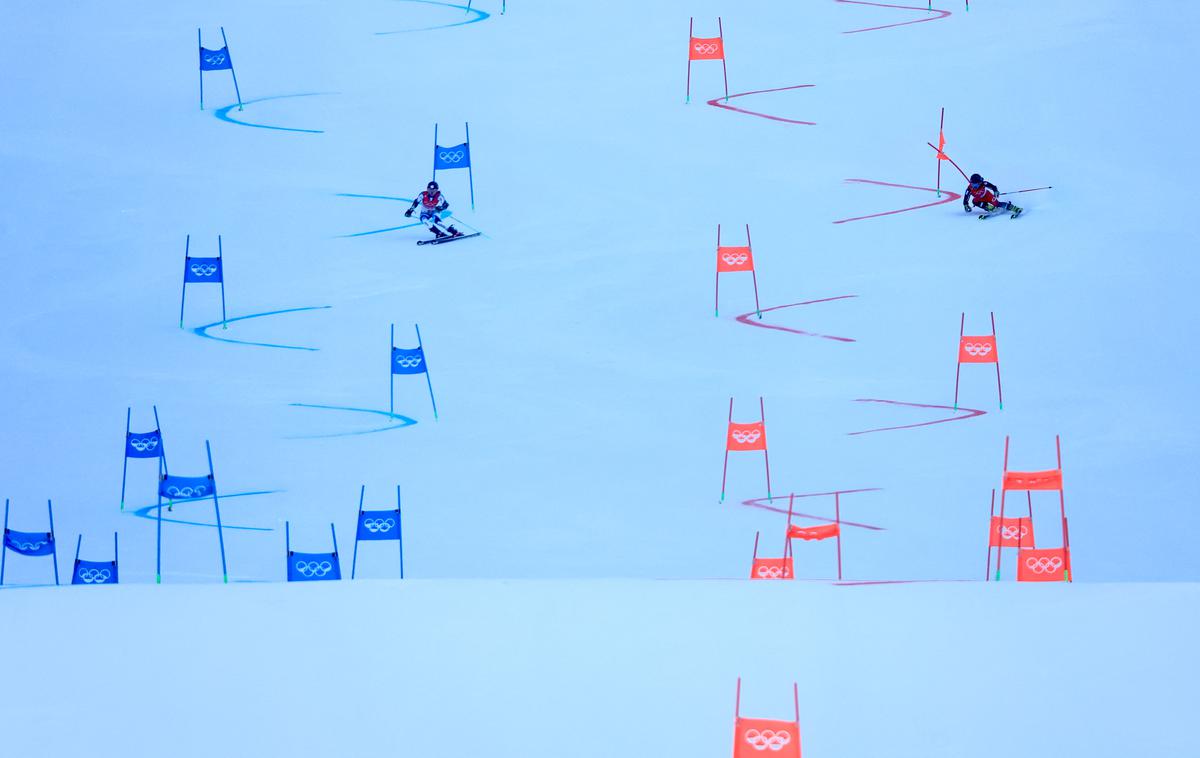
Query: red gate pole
{"x": 753, "y": 273}
{"x": 987, "y": 573}
{"x": 717, "y": 289}
{"x": 1003, "y": 495}
{"x": 941, "y": 125}
{"x": 1062, "y": 507}
{"x": 724, "y": 70}
{"x": 688, "y": 99}
{"x": 762, "y": 414}
{"x": 837, "y": 517}
{"x": 725, "y": 468}
{"x": 999, "y": 389}
{"x": 958, "y": 357}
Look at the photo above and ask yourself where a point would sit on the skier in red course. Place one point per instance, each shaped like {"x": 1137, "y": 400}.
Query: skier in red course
{"x": 983, "y": 194}
{"x": 433, "y": 202}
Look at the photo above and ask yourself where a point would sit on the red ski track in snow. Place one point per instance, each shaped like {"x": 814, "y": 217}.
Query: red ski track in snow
{"x": 971, "y": 413}
{"x": 714, "y": 102}
{"x": 745, "y": 318}
{"x": 762, "y": 502}
{"x": 943, "y": 13}
{"x": 950, "y": 197}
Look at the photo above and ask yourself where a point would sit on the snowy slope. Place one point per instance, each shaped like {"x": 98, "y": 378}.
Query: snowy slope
{"x": 603, "y": 668}
{"x": 581, "y": 377}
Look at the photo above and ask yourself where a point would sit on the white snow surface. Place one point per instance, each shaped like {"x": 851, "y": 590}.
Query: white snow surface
{"x": 583, "y": 382}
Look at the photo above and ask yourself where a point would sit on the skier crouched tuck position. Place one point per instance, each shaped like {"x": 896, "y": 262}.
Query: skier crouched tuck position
{"x": 433, "y": 202}
{"x": 983, "y": 194}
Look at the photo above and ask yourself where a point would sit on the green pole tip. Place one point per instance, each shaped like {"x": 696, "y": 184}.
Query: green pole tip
{"x": 158, "y": 578}
{"x": 227, "y": 578}
{"x": 1001, "y": 406}
{"x": 759, "y": 315}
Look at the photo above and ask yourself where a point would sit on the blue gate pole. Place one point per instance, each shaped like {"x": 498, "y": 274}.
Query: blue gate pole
{"x": 335, "y": 550}
{"x": 158, "y": 527}
{"x": 162, "y": 444}
{"x": 400, "y": 530}
{"x": 217, "y": 507}
{"x": 54, "y": 542}
{"x": 4, "y": 544}
{"x": 187, "y": 245}
{"x": 114, "y": 552}
{"x": 221, "y": 257}
{"x": 231, "y": 71}
{"x": 391, "y": 377}
{"x": 435, "y": 149}
{"x": 75, "y": 566}
{"x": 200, "y": 44}
{"x": 470, "y": 170}
{"x": 357, "y": 521}
{"x": 428, "y": 382}
{"x": 125, "y": 456}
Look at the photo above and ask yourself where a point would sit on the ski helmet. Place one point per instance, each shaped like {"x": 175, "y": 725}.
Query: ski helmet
{"x": 432, "y": 186}
{"x": 976, "y": 180}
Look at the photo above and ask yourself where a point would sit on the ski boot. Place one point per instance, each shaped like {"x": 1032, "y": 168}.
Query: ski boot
{"x": 437, "y": 233}
{"x": 453, "y": 232}
{"x": 1015, "y": 210}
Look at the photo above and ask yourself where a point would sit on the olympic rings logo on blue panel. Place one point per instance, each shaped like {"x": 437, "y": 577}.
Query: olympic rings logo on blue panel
{"x": 313, "y": 568}
{"x": 379, "y": 525}
{"x": 203, "y": 269}
{"x": 452, "y": 156}
{"x": 408, "y": 361}
{"x": 199, "y": 490}
{"x": 94, "y": 576}
{"x": 214, "y": 59}
{"x": 142, "y": 444}
{"x": 27, "y": 547}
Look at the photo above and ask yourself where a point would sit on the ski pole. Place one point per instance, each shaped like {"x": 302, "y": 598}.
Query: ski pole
{"x": 1017, "y": 192}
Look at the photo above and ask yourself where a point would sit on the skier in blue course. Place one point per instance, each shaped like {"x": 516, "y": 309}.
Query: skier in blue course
{"x": 433, "y": 202}
{"x": 981, "y": 193}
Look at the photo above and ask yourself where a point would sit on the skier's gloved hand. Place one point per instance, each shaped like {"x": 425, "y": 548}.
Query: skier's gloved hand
{"x": 408, "y": 213}
{"x": 443, "y": 207}
{"x": 966, "y": 208}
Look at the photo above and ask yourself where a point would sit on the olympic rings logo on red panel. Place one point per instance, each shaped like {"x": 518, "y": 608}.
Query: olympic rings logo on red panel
{"x": 748, "y": 437}
{"x": 767, "y": 739}
{"x": 1044, "y": 565}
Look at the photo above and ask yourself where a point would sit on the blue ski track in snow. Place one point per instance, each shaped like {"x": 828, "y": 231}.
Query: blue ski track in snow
{"x": 479, "y": 16}
{"x": 449, "y": 217}
{"x": 405, "y": 421}
{"x": 202, "y": 331}
{"x": 223, "y": 114}
{"x": 148, "y": 511}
